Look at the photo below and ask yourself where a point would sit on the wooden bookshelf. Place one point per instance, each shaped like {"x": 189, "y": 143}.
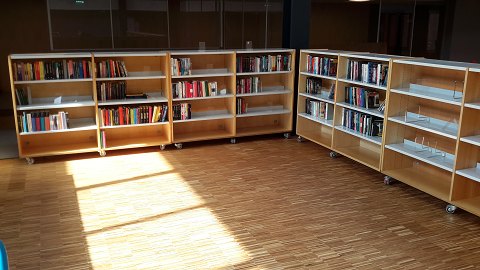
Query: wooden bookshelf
{"x": 148, "y": 74}
{"x": 270, "y": 107}
{"x": 50, "y": 93}
{"x": 212, "y": 115}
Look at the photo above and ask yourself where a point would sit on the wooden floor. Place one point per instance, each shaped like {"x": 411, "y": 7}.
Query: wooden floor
{"x": 259, "y": 204}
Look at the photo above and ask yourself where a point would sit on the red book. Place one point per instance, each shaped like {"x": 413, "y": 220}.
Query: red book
{"x": 47, "y": 122}
{"x": 112, "y": 69}
{"x": 195, "y": 89}
{"x": 37, "y": 123}
{"x": 84, "y": 63}
{"x": 70, "y": 69}
{"x": 37, "y": 71}
{"x": 120, "y": 115}
{"x": 150, "y": 114}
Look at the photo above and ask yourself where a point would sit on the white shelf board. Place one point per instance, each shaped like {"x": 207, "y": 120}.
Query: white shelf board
{"x": 200, "y": 73}
{"x": 129, "y": 54}
{"x": 470, "y": 173}
{"x": 205, "y": 116}
{"x": 442, "y": 128}
{"x": 263, "y": 73}
{"x": 54, "y": 81}
{"x": 473, "y": 105}
{"x": 373, "y": 139}
{"x": 79, "y": 124}
{"x": 150, "y": 99}
{"x": 266, "y": 92}
{"x": 325, "y": 122}
{"x": 370, "y": 56}
{"x": 437, "y": 63}
{"x": 409, "y": 149}
{"x": 323, "y": 96}
{"x": 199, "y": 52}
{"x": 260, "y": 111}
{"x": 267, "y": 50}
{"x": 318, "y": 76}
{"x": 475, "y": 140}
{"x": 323, "y": 52}
{"x": 50, "y": 55}
{"x": 373, "y": 112}
{"x": 202, "y": 98}
{"x": 135, "y": 125}
{"x": 67, "y": 102}
{"x": 370, "y": 85}
{"x": 429, "y": 93}
{"x": 137, "y": 75}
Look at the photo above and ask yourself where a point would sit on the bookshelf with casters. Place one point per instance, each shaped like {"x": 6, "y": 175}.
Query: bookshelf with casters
{"x": 264, "y": 91}
{"x": 317, "y": 80}
{"x": 465, "y": 191}
{"x": 203, "y": 95}
{"x": 133, "y": 99}
{"x": 362, "y": 88}
{"x": 54, "y": 103}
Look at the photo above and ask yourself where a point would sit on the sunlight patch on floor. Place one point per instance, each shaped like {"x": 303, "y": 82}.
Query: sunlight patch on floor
{"x": 139, "y": 214}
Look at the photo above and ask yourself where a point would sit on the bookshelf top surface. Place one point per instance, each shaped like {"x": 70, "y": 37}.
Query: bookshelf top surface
{"x": 126, "y": 54}
{"x": 326, "y": 51}
{"x": 200, "y": 52}
{"x": 49, "y": 55}
{"x": 267, "y": 50}
{"x": 438, "y": 63}
{"x": 371, "y": 56}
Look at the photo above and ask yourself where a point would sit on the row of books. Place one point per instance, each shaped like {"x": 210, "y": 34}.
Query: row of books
{"x": 111, "y": 90}
{"x": 43, "y": 121}
{"x": 242, "y": 106}
{"x": 319, "y": 109}
{"x": 24, "y": 95}
{"x": 133, "y": 115}
{"x": 193, "y": 89}
{"x": 182, "y": 111}
{"x": 264, "y": 63}
{"x": 367, "y": 72}
{"x": 322, "y": 65}
{"x": 362, "y": 97}
{"x": 52, "y": 70}
{"x": 363, "y": 123}
{"x": 181, "y": 66}
{"x": 249, "y": 85}
{"x": 111, "y": 69}
{"x": 313, "y": 86}
{"x": 103, "y": 139}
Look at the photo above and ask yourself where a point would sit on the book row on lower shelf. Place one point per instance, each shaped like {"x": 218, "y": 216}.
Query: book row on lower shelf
{"x": 111, "y": 90}
{"x": 264, "y": 63}
{"x": 52, "y": 70}
{"x": 43, "y": 121}
{"x": 193, "y": 89}
{"x": 182, "y": 111}
{"x": 249, "y": 85}
{"x": 319, "y": 109}
{"x": 322, "y": 65}
{"x": 363, "y": 123}
{"x": 367, "y": 72}
{"x": 132, "y": 115}
{"x": 242, "y": 106}
{"x": 362, "y": 97}
{"x": 314, "y": 86}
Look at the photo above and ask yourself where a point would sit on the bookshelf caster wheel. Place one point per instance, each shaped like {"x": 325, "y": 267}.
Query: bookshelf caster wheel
{"x": 102, "y": 153}
{"x": 179, "y": 145}
{"x": 334, "y": 154}
{"x": 233, "y": 140}
{"x": 162, "y": 147}
{"x": 450, "y": 208}
{"x": 286, "y": 135}
{"x": 387, "y": 180}
{"x": 30, "y": 160}
{"x": 300, "y": 139}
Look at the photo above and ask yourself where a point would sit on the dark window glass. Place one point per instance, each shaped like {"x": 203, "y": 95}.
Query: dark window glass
{"x": 194, "y": 21}
{"x": 275, "y": 23}
{"x": 80, "y": 24}
{"x": 140, "y": 23}
{"x": 396, "y": 22}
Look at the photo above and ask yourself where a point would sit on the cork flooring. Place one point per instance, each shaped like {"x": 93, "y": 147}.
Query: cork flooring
{"x": 258, "y": 204}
